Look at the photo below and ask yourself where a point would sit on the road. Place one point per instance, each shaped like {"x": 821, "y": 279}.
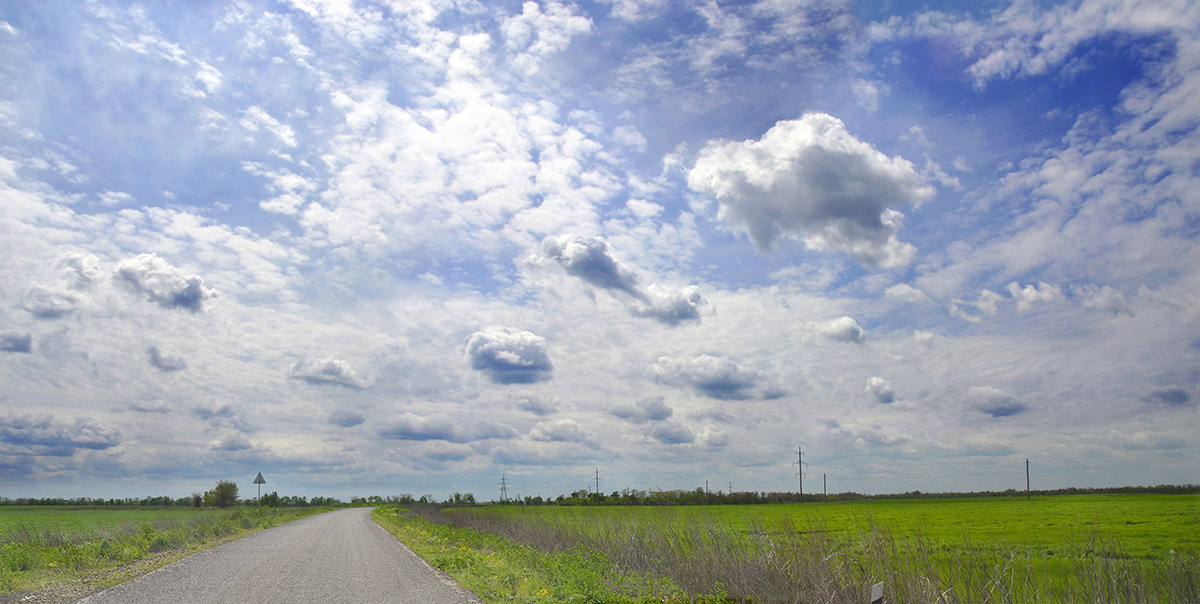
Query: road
{"x": 340, "y": 556}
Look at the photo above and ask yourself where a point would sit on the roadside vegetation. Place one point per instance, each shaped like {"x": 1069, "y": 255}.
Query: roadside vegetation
{"x": 502, "y": 569}
{"x": 1072, "y": 548}
{"x": 72, "y": 549}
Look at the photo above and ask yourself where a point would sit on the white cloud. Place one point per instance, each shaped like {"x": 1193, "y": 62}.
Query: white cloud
{"x": 1031, "y": 294}
{"x": 591, "y": 260}
{"x": 649, "y": 409}
{"x": 508, "y": 355}
{"x": 881, "y": 390}
{"x": 904, "y": 292}
{"x": 328, "y": 370}
{"x": 715, "y": 377}
{"x": 986, "y": 305}
{"x": 154, "y": 279}
{"x": 536, "y": 33}
{"x": 844, "y": 329}
{"x": 561, "y": 430}
{"x": 673, "y": 433}
{"x": 995, "y": 402}
{"x": 868, "y": 93}
{"x": 165, "y": 362}
{"x": 811, "y": 180}
{"x": 1105, "y": 298}
{"x": 410, "y": 426}
{"x": 534, "y": 404}
{"x": 346, "y": 418}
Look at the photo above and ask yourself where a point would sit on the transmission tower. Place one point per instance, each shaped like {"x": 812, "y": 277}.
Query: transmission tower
{"x": 800, "y": 463}
{"x": 597, "y": 481}
{"x": 503, "y": 488}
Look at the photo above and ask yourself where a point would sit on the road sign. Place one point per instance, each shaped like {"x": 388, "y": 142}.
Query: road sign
{"x": 260, "y": 481}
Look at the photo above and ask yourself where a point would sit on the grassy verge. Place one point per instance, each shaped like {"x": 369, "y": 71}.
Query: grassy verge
{"x": 785, "y": 559}
{"x": 60, "y": 554}
{"x": 500, "y": 570}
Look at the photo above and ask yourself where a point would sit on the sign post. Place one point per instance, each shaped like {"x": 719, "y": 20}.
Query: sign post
{"x": 260, "y": 481}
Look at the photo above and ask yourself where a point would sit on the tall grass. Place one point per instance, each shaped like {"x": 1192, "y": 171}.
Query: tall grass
{"x": 785, "y": 563}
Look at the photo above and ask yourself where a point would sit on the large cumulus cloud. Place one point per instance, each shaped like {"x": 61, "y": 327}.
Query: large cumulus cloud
{"x": 715, "y": 377}
{"x": 154, "y": 279}
{"x": 812, "y": 180}
{"x": 509, "y": 356}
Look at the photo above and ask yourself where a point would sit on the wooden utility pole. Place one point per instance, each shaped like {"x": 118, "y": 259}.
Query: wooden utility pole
{"x": 825, "y": 487}
{"x": 1026, "y": 478}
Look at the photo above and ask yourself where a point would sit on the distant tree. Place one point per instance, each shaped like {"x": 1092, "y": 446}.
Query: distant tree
{"x": 197, "y": 500}
{"x": 224, "y": 495}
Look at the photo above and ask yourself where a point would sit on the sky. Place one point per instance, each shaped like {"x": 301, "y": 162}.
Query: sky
{"x": 427, "y": 245}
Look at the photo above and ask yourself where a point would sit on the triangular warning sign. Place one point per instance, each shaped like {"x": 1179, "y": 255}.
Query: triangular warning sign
{"x": 259, "y": 479}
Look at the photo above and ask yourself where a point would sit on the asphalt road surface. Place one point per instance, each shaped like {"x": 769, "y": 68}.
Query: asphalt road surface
{"x": 341, "y": 556}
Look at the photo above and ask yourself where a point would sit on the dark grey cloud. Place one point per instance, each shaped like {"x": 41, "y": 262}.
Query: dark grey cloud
{"x": 1169, "y": 396}
{"x": 509, "y": 356}
{"x": 329, "y": 370}
{"x": 48, "y": 304}
{"x": 346, "y": 418}
{"x": 844, "y": 329}
{"x": 165, "y": 362}
{"x": 649, "y": 409}
{"x": 811, "y": 180}
{"x": 414, "y": 427}
{"x": 715, "y": 377}
{"x": 44, "y": 435}
{"x": 152, "y": 278}
{"x": 591, "y": 260}
{"x": 995, "y": 402}
{"x": 881, "y": 390}
{"x": 16, "y": 342}
{"x": 673, "y": 433}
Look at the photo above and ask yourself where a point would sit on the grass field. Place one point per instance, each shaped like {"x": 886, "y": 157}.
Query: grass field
{"x": 1107, "y": 548}
{"x": 44, "y": 547}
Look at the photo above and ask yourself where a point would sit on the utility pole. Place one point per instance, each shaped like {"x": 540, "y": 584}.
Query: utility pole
{"x": 800, "y": 469}
{"x": 825, "y": 487}
{"x": 503, "y": 488}
{"x": 1026, "y": 478}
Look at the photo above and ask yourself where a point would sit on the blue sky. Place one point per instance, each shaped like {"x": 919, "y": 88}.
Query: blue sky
{"x": 408, "y": 248}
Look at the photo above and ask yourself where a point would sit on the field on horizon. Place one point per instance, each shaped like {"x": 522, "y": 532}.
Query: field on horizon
{"x": 1106, "y": 547}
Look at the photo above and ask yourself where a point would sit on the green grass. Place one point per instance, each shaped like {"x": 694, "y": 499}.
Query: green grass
{"x": 1056, "y": 548}
{"x": 500, "y": 570}
{"x": 47, "y": 547}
